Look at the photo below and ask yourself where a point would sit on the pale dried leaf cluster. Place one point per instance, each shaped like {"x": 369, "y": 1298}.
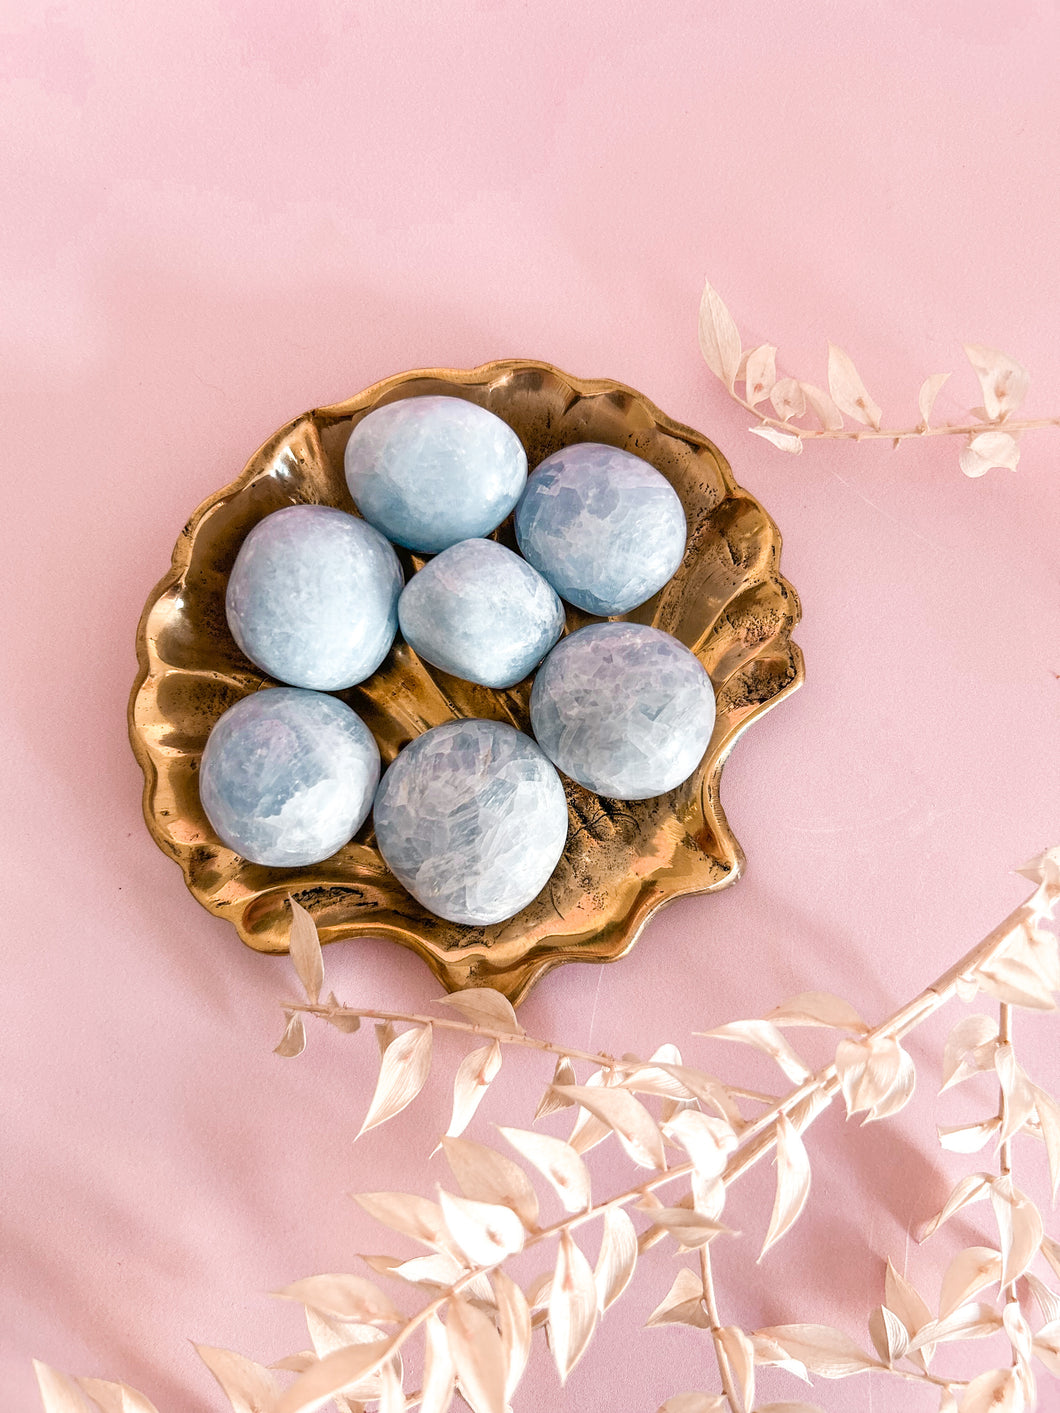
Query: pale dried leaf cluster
{"x": 801, "y": 411}
{"x": 684, "y": 1137}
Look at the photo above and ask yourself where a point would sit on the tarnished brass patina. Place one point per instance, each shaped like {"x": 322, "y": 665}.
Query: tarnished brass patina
{"x": 727, "y": 602}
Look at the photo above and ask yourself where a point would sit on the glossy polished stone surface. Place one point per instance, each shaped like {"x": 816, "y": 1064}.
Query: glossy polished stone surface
{"x": 287, "y": 776}
{"x": 312, "y": 597}
{"x": 480, "y": 612}
{"x": 432, "y": 471}
{"x": 624, "y": 709}
{"x": 602, "y": 525}
{"x": 471, "y": 818}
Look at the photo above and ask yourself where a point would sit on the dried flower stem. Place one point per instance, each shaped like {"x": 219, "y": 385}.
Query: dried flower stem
{"x": 710, "y": 1300}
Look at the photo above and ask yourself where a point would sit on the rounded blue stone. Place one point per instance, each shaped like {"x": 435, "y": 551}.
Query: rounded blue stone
{"x": 623, "y": 709}
{"x": 602, "y": 525}
{"x": 471, "y": 818}
{"x": 480, "y": 612}
{"x": 431, "y": 471}
{"x": 287, "y": 776}
{"x": 312, "y": 597}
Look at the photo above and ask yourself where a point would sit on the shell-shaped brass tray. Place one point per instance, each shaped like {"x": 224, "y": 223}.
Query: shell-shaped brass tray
{"x": 727, "y": 602}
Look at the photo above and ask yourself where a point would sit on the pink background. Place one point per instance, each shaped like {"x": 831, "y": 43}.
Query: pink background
{"x": 216, "y": 215}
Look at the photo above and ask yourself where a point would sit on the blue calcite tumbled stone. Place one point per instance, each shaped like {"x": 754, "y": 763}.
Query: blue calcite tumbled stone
{"x": 624, "y": 709}
{"x": 312, "y": 597}
{"x": 471, "y": 818}
{"x": 602, "y": 525}
{"x": 480, "y": 612}
{"x": 287, "y": 776}
{"x": 431, "y": 471}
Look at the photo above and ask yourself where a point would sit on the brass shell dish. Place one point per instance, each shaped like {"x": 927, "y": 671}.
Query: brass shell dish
{"x": 727, "y": 602}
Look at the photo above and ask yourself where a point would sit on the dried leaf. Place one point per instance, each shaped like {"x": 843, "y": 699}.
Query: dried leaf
{"x": 557, "y": 1161}
{"x": 767, "y": 1351}
{"x": 970, "y": 1271}
{"x": 900, "y": 1092}
{"x": 617, "y": 1258}
{"x": 848, "y": 391}
{"x": 59, "y": 1393}
{"x": 1019, "y": 1226}
{"x": 741, "y": 1355}
{"x": 683, "y": 1303}
{"x": 403, "y": 1073}
{"x": 1016, "y": 981}
{"x": 340, "y": 1018}
{"x": 488, "y": 1176}
{"x": 116, "y": 1398}
{"x": 996, "y": 1391}
{"x": 513, "y": 1313}
{"x": 249, "y": 1387}
{"x": 342, "y": 1369}
{"x": 572, "y": 1306}
{"x": 821, "y": 1349}
{"x": 306, "y": 952}
{"x": 968, "y": 1138}
{"x": 788, "y": 399}
{"x": 473, "y": 1077}
{"x": 793, "y": 1182}
{"x": 1048, "y": 1112}
{"x": 973, "y": 1187}
{"x": 483, "y": 1006}
{"x": 292, "y": 1042}
{"x": 1048, "y": 1300}
{"x": 760, "y": 372}
{"x": 974, "y": 1321}
{"x": 708, "y": 1090}
{"x": 707, "y": 1141}
{"x": 391, "y": 1396}
{"x": 966, "y": 1036}
{"x": 789, "y": 1407}
{"x": 439, "y": 1372}
{"x": 695, "y": 1403}
{"x": 407, "y": 1213}
{"x": 719, "y": 339}
{"x": 786, "y": 441}
{"x": 1051, "y": 1252}
{"x": 690, "y": 1228}
{"x": 628, "y": 1119}
{"x": 294, "y": 1363}
{"x": 552, "y": 1100}
{"x": 486, "y": 1232}
{"x": 438, "y": 1272}
{"x": 823, "y": 408}
{"x": 929, "y": 391}
{"x": 1004, "y": 381}
{"x": 889, "y": 1335}
{"x": 478, "y": 1355}
{"x": 1017, "y": 1089}
{"x": 818, "y": 1008}
{"x": 346, "y": 1297}
{"x": 385, "y": 1034}
{"x": 765, "y": 1036}
{"x": 901, "y": 1296}
{"x": 987, "y": 450}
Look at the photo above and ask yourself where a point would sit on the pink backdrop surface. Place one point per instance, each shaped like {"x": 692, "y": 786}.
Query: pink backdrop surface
{"x": 216, "y": 215}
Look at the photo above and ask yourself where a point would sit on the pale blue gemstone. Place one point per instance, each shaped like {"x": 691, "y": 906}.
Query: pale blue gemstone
{"x": 287, "y": 776}
{"x": 312, "y": 597}
{"x": 624, "y": 709}
{"x": 602, "y": 525}
{"x": 480, "y": 612}
{"x": 471, "y": 818}
{"x": 431, "y": 471}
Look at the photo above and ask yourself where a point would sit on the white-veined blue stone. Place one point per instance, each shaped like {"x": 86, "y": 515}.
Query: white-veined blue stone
{"x": 287, "y": 776}
{"x": 471, "y": 818}
{"x": 480, "y": 612}
{"x": 602, "y": 525}
{"x": 431, "y": 471}
{"x": 312, "y": 597}
{"x": 624, "y": 709}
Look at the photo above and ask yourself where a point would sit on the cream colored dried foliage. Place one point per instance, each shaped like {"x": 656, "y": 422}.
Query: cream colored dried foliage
{"x": 990, "y": 432}
{"x": 473, "y": 1319}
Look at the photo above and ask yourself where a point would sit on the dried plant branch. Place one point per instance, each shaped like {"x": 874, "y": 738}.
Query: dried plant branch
{"x": 992, "y": 432}
{"x": 358, "y": 1332}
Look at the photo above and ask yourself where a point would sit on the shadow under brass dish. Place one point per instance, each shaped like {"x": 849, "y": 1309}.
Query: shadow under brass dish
{"x": 727, "y": 602}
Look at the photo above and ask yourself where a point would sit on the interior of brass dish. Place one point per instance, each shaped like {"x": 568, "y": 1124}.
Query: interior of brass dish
{"x": 727, "y": 603}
